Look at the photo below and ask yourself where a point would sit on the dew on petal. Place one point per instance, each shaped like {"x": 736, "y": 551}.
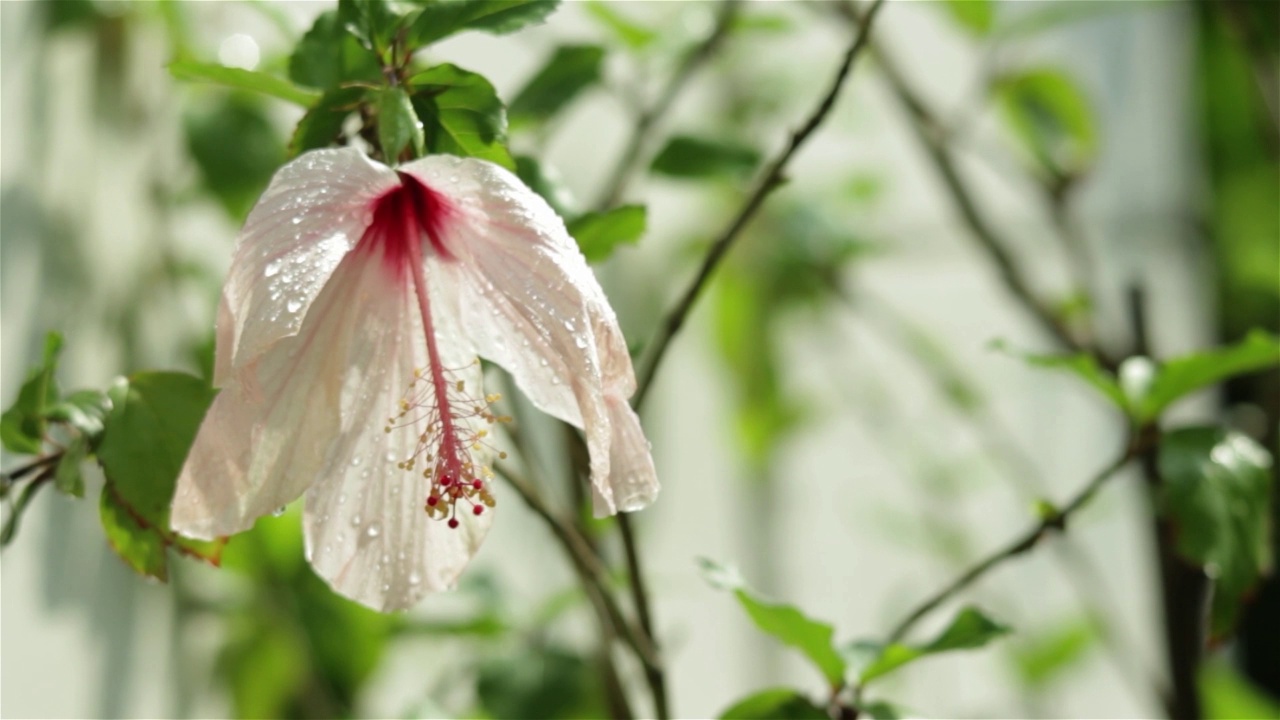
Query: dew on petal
{"x": 414, "y": 578}
{"x": 293, "y": 305}
{"x": 373, "y": 531}
{"x": 273, "y": 267}
{"x": 278, "y": 511}
{"x": 355, "y": 521}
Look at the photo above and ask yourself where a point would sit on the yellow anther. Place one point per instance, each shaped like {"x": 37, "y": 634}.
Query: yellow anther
{"x": 504, "y": 418}
{"x": 493, "y": 397}
{"x": 482, "y": 433}
{"x": 502, "y": 455}
{"x": 386, "y": 429}
{"x": 461, "y": 384}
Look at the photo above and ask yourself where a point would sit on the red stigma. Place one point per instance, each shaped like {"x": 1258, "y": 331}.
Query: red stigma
{"x": 453, "y": 523}
{"x": 433, "y": 501}
{"x": 477, "y": 510}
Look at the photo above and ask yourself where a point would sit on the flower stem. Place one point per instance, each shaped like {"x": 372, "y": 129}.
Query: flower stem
{"x": 772, "y": 178}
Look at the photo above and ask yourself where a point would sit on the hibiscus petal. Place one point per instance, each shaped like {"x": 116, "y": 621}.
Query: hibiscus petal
{"x": 311, "y": 215}
{"x": 367, "y": 532}
{"x": 270, "y": 431}
{"x": 528, "y": 301}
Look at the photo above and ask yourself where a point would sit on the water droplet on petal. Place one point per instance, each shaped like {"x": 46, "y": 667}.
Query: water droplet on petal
{"x": 355, "y": 460}
{"x": 414, "y": 578}
{"x": 355, "y": 521}
{"x": 272, "y": 268}
{"x": 293, "y": 305}
{"x": 278, "y": 511}
{"x": 373, "y": 530}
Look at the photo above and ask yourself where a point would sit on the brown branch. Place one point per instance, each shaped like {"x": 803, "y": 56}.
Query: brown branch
{"x": 649, "y": 118}
{"x": 1022, "y": 544}
{"x": 772, "y": 178}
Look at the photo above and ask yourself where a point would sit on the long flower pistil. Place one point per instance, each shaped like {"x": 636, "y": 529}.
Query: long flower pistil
{"x": 405, "y": 220}
{"x": 449, "y": 448}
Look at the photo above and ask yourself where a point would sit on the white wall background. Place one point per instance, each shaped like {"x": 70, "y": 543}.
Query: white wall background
{"x": 83, "y": 637}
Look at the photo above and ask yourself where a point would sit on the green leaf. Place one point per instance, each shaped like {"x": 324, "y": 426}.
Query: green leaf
{"x": 784, "y": 622}
{"x": 84, "y": 410}
{"x": 441, "y": 18}
{"x": 544, "y": 180}
{"x": 138, "y": 544}
{"x": 240, "y": 79}
{"x": 461, "y": 114}
{"x": 546, "y": 682}
{"x": 631, "y": 33}
{"x": 328, "y": 55}
{"x": 398, "y": 125}
{"x": 153, "y": 420}
{"x": 1216, "y": 492}
{"x": 23, "y": 425}
{"x": 600, "y": 233}
{"x": 685, "y": 156}
{"x": 236, "y": 146}
{"x": 370, "y": 21}
{"x": 1050, "y": 117}
{"x": 1082, "y": 366}
{"x": 67, "y": 477}
{"x": 570, "y": 70}
{"x": 976, "y": 16}
{"x": 1043, "y": 657}
{"x": 774, "y": 704}
{"x": 322, "y": 125}
{"x": 1184, "y": 375}
{"x": 1228, "y": 696}
{"x": 969, "y": 629}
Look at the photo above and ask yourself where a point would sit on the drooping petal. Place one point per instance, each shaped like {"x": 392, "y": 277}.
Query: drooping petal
{"x": 528, "y": 301}
{"x": 310, "y": 216}
{"x": 367, "y": 532}
{"x": 274, "y": 426}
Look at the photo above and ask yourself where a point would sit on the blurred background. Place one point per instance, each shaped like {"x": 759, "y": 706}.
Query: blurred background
{"x": 833, "y": 420}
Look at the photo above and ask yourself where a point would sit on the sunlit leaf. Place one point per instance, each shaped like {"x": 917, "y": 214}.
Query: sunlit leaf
{"x": 685, "y": 156}
{"x": 84, "y": 410}
{"x": 784, "y": 622}
{"x": 441, "y": 18}
{"x": 1051, "y": 118}
{"x": 600, "y": 233}
{"x": 461, "y": 114}
{"x": 570, "y": 70}
{"x": 67, "y": 478}
{"x": 1044, "y": 656}
{"x": 1081, "y": 365}
{"x": 630, "y": 32}
{"x": 1184, "y": 375}
{"x": 1216, "y": 492}
{"x": 22, "y": 426}
{"x": 137, "y": 543}
{"x": 153, "y": 420}
{"x": 240, "y": 79}
{"x": 969, "y": 629}
{"x": 774, "y": 704}
{"x": 976, "y": 16}
{"x": 1228, "y": 696}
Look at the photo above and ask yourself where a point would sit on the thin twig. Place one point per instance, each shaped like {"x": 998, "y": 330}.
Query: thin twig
{"x": 591, "y": 569}
{"x": 772, "y": 178}
{"x": 648, "y": 119}
{"x": 655, "y": 673}
{"x": 984, "y": 235}
{"x": 1023, "y": 543}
